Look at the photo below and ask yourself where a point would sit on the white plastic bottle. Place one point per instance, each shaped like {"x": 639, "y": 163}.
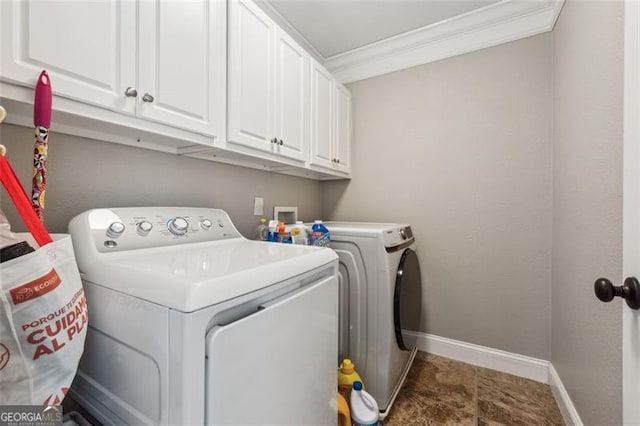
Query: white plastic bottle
{"x": 364, "y": 408}
{"x": 299, "y": 233}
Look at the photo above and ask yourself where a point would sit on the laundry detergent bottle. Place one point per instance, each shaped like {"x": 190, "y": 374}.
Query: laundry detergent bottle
{"x": 344, "y": 414}
{"x": 284, "y": 234}
{"x": 319, "y": 234}
{"x": 364, "y": 408}
{"x": 272, "y": 235}
{"x": 347, "y": 376}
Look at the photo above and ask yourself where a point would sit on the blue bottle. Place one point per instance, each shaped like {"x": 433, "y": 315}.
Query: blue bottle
{"x": 272, "y": 235}
{"x": 319, "y": 234}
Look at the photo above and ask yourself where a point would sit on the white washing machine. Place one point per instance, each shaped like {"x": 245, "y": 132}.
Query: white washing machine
{"x": 380, "y": 297}
{"x": 190, "y": 323}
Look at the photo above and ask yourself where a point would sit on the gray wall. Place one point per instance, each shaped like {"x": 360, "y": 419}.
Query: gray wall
{"x": 461, "y": 150}
{"x": 587, "y": 206}
{"x": 84, "y": 174}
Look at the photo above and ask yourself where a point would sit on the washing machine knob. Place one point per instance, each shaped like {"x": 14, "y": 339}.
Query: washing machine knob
{"x": 403, "y": 233}
{"x": 206, "y": 224}
{"x": 143, "y": 228}
{"x": 178, "y": 225}
{"x": 115, "y": 229}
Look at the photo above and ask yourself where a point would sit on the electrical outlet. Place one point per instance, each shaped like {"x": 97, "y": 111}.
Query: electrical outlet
{"x": 258, "y": 206}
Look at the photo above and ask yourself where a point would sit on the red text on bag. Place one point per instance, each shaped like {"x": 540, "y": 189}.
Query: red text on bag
{"x": 35, "y": 288}
{"x": 50, "y": 337}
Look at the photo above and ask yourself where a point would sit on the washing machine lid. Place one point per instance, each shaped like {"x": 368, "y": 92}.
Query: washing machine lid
{"x": 193, "y": 276}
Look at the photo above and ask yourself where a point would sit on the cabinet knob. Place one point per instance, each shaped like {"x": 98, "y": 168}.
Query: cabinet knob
{"x": 274, "y": 140}
{"x": 147, "y": 98}
{"x": 338, "y": 160}
{"x": 280, "y": 142}
{"x": 131, "y": 92}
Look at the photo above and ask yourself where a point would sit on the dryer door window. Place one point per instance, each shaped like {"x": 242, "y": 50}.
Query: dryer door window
{"x": 407, "y": 300}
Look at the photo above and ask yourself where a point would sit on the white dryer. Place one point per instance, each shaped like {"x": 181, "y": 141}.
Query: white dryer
{"x": 380, "y": 297}
{"x": 190, "y": 323}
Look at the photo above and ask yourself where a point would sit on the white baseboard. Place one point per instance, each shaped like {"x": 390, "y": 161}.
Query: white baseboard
{"x": 482, "y": 356}
{"x": 519, "y": 365}
{"x": 568, "y": 410}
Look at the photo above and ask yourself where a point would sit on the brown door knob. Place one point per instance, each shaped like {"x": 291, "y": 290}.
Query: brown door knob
{"x": 630, "y": 291}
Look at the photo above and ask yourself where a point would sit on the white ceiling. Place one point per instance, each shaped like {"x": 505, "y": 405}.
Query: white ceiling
{"x": 337, "y": 26}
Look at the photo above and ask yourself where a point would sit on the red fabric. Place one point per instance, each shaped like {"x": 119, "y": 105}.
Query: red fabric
{"x": 22, "y": 203}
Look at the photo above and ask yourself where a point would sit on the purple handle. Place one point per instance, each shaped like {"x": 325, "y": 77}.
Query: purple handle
{"x": 42, "y": 103}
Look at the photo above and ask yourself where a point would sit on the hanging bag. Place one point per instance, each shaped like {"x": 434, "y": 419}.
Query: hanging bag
{"x": 43, "y": 312}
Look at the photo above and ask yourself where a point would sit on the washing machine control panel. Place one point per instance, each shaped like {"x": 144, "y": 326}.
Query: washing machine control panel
{"x": 133, "y": 228}
{"x": 400, "y": 236}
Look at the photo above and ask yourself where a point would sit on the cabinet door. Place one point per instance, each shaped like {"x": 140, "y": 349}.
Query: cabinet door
{"x": 87, "y": 47}
{"x": 342, "y": 144}
{"x": 291, "y": 98}
{"x": 322, "y": 92}
{"x": 251, "y": 39}
{"x": 182, "y": 64}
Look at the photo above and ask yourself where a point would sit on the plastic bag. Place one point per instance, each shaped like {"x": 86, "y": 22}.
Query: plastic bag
{"x": 43, "y": 325}
{"x": 43, "y": 312}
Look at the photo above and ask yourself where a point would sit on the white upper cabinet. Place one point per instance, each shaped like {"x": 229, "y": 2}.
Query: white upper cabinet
{"x": 251, "y": 38}
{"x": 330, "y": 121}
{"x": 322, "y": 116}
{"x": 291, "y": 98}
{"x": 268, "y": 85}
{"x": 161, "y": 60}
{"x": 342, "y": 143}
{"x": 181, "y": 63}
{"x": 88, "y": 48}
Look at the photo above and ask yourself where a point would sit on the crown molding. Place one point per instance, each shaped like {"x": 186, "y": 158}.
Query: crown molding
{"x": 489, "y": 26}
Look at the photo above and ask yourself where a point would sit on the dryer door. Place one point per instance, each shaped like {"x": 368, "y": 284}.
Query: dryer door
{"x": 281, "y": 356}
{"x": 407, "y": 300}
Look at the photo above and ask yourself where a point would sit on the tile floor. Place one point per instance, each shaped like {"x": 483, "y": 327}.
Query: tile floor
{"x": 440, "y": 391}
